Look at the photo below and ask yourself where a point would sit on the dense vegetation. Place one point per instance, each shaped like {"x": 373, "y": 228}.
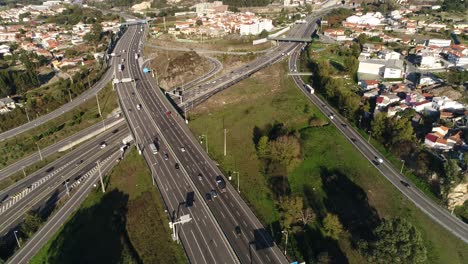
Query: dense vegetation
{"x": 455, "y": 5}
{"x": 15, "y": 81}
{"x": 74, "y": 14}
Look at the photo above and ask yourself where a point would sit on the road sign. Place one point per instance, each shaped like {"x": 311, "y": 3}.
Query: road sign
{"x": 146, "y": 70}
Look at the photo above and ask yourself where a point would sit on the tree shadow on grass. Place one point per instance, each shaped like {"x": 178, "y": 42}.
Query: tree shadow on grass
{"x": 350, "y": 203}
{"x": 279, "y": 185}
{"x": 312, "y": 242}
{"x": 96, "y": 234}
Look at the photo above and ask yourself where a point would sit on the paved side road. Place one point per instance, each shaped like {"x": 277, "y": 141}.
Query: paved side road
{"x": 429, "y": 207}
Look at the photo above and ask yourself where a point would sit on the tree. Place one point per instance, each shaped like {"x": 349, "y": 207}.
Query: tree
{"x": 351, "y": 64}
{"x": 285, "y": 150}
{"x": 262, "y": 147}
{"x": 401, "y": 130}
{"x": 307, "y": 214}
{"x": 324, "y": 258}
{"x": 332, "y": 226}
{"x": 396, "y": 240}
{"x": 32, "y": 222}
{"x": 451, "y": 172}
{"x": 290, "y": 209}
{"x": 379, "y": 126}
{"x": 263, "y": 34}
{"x": 199, "y": 22}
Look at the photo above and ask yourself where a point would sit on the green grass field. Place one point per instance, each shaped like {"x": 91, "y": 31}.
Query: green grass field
{"x": 127, "y": 224}
{"x": 333, "y": 176}
{"x": 57, "y": 129}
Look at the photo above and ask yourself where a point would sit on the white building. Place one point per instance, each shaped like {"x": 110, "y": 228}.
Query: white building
{"x": 458, "y": 56}
{"x": 256, "y": 27}
{"x": 439, "y": 42}
{"x": 6, "y": 105}
{"x": 445, "y": 103}
{"x": 388, "y": 69}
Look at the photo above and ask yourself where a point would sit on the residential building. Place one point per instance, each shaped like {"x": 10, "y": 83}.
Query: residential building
{"x": 445, "y": 103}
{"x": 458, "y": 55}
{"x": 439, "y": 42}
{"x": 6, "y": 105}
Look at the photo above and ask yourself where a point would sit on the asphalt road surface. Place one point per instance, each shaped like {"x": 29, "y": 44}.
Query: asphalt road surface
{"x": 437, "y": 213}
{"x": 202, "y": 239}
{"x": 253, "y": 244}
{"x": 43, "y": 187}
{"x": 54, "y": 148}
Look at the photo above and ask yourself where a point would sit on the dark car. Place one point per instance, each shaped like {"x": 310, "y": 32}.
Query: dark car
{"x": 208, "y": 197}
{"x": 177, "y": 166}
{"x": 238, "y": 230}
{"x": 200, "y": 176}
{"x": 214, "y": 194}
{"x": 189, "y": 199}
{"x": 405, "y": 184}
{"x": 221, "y": 183}
{"x": 166, "y": 157}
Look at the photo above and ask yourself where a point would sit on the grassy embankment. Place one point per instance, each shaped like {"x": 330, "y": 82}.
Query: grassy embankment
{"x": 333, "y": 176}
{"x": 14, "y": 149}
{"x": 127, "y": 224}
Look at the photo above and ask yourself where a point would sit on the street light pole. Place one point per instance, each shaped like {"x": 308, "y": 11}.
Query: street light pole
{"x": 27, "y": 115}
{"x": 238, "y": 181}
{"x": 66, "y": 186}
{"x": 100, "y": 177}
{"x": 99, "y": 107}
{"x": 402, "y": 165}
{"x": 286, "y": 247}
{"x": 23, "y": 171}
{"x": 368, "y": 140}
{"x": 40, "y": 154}
{"x": 17, "y": 240}
{"x": 225, "y": 131}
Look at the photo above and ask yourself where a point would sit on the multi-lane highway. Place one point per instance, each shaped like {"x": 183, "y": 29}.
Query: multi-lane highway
{"x": 230, "y": 220}
{"x": 43, "y": 186}
{"x": 34, "y": 244}
{"x": 203, "y": 240}
{"x": 436, "y": 212}
{"x": 54, "y": 148}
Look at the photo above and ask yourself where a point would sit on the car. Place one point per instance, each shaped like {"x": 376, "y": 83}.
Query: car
{"x": 208, "y": 197}
{"x": 79, "y": 162}
{"x": 238, "y": 230}
{"x": 214, "y": 194}
{"x": 330, "y": 116}
{"x": 103, "y": 145}
{"x": 168, "y": 113}
{"x": 117, "y": 115}
{"x": 379, "y": 160}
{"x": 407, "y": 185}
{"x": 189, "y": 199}
{"x": 138, "y": 106}
{"x": 177, "y": 166}
{"x": 200, "y": 177}
{"x": 182, "y": 149}
{"x": 166, "y": 157}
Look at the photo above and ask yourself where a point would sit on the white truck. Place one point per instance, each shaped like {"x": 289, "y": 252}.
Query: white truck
{"x": 121, "y": 67}
{"x": 126, "y": 140}
{"x": 310, "y": 89}
{"x": 137, "y": 56}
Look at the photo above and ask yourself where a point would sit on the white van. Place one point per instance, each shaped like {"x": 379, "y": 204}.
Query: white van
{"x": 153, "y": 148}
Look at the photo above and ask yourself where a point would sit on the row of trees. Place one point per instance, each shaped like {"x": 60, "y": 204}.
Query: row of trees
{"x": 73, "y": 14}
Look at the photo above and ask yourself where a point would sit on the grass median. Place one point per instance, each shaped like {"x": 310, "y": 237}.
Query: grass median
{"x": 127, "y": 224}
{"x": 333, "y": 177}
{"x": 85, "y": 115}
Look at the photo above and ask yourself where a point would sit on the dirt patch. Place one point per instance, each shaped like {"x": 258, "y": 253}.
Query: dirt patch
{"x": 447, "y": 91}
{"x": 176, "y": 68}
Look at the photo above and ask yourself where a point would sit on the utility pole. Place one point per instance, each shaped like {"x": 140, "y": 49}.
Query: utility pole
{"x": 23, "y": 171}
{"x": 164, "y": 19}
{"x": 225, "y": 131}
{"x": 26, "y": 111}
{"x": 17, "y": 241}
{"x": 66, "y": 186}
{"x": 368, "y": 140}
{"x": 69, "y": 95}
{"x": 402, "y": 165}
{"x": 40, "y": 154}
{"x": 100, "y": 177}
{"x": 99, "y": 107}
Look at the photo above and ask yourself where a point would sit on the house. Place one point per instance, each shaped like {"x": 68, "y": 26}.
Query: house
{"x": 444, "y": 103}
{"x": 371, "y": 93}
{"x": 386, "y": 99}
{"x": 393, "y": 69}
{"x": 6, "y": 105}
{"x": 458, "y": 55}
{"x": 369, "y": 84}
{"x": 439, "y": 42}
{"x": 433, "y": 141}
{"x": 421, "y": 106}
{"x": 392, "y": 110}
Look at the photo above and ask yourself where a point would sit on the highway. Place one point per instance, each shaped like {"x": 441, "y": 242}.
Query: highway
{"x": 56, "y": 221}
{"x": 86, "y": 95}
{"x": 437, "y": 213}
{"x": 253, "y": 244}
{"x": 54, "y": 148}
{"x": 42, "y": 187}
{"x": 202, "y": 238}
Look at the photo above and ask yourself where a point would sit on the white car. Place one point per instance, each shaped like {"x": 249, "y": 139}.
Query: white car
{"x": 138, "y": 106}
{"x": 103, "y": 145}
{"x": 182, "y": 149}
